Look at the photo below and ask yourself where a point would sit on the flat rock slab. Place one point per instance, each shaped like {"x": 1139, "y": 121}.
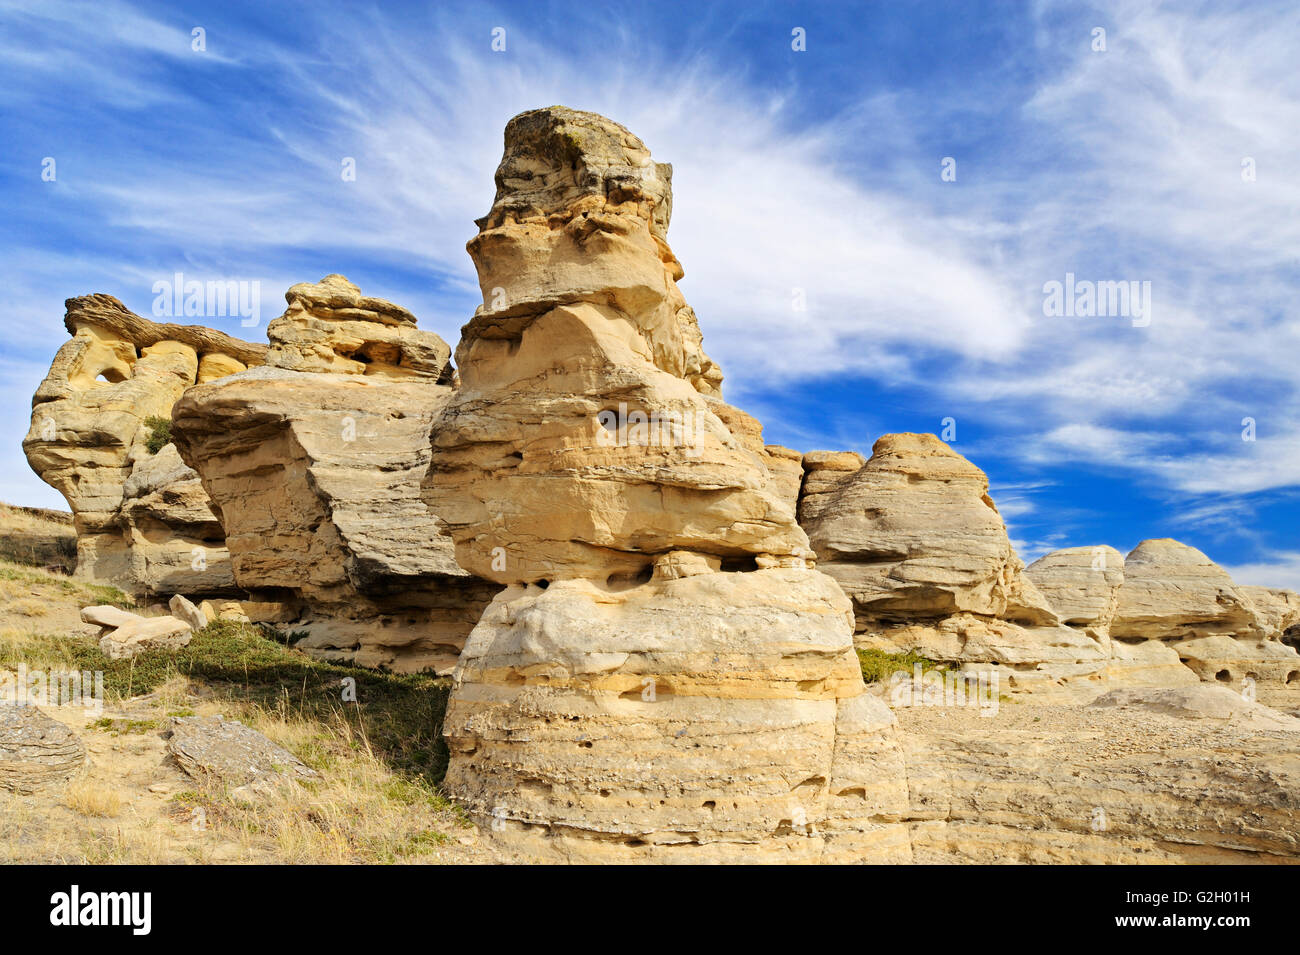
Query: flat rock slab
{"x": 208, "y": 747}
{"x": 1200, "y": 703}
{"x": 108, "y": 616}
{"x": 146, "y": 633}
{"x": 36, "y": 751}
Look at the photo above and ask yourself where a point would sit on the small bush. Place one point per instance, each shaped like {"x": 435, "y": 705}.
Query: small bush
{"x": 877, "y": 665}
{"x": 160, "y": 433}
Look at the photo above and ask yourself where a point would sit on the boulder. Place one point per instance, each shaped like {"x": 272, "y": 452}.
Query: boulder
{"x": 914, "y": 533}
{"x": 36, "y": 752}
{"x": 183, "y": 609}
{"x": 214, "y": 749}
{"x": 1081, "y": 583}
{"x": 144, "y": 635}
{"x": 108, "y": 616}
{"x": 331, "y": 327}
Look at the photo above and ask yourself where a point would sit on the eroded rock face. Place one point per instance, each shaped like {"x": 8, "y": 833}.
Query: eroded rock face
{"x": 318, "y": 476}
{"x": 917, "y": 544}
{"x": 331, "y": 327}
{"x": 664, "y": 677}
{"x": 88, "y": 439}
{"x": 1081, "y": 583}
{"x": 1176, "y": 595}
{"x": 587, "y": 435}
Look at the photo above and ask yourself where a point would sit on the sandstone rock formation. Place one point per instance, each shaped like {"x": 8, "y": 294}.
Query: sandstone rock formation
{"x": 1134, "y": 783}
{"x": 916, "y": 542}
{"x": 1175, "y": 594}
{"x": 88, "y": 439}
{"x": 664, "y": 677}
{"x": 36, "y": 752}
{"x": 317, "y": 474}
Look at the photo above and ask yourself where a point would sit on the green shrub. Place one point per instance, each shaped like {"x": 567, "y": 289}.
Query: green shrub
{"x": 160, "y": 433}
{"x": 877, "y": 665}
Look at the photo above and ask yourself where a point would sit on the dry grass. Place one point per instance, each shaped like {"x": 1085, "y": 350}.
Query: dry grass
{"x": 29, "y": 607}
{"x": 377, "y": 800}
{"x": 90, "y": 797}
{"x": 361, "y": 811}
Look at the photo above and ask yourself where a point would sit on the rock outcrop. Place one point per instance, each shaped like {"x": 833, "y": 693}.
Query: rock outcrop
{"x": 318, "y": 475}
{"x": 124, "y": 635}
{"x": 917, "y": 544}
{"x": 663, "y": 677}
{"x": 1176, "y": 595}
{"x": 89, "y": 438}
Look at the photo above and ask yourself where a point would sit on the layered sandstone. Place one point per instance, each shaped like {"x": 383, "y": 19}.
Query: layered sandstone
{"x": 318, "y": 474}
{"x": 917, "y": 544}
{"x": 88, "y": 439}
{"x": 663, "y": 677}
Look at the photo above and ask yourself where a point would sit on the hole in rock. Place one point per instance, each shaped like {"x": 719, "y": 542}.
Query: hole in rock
{"x": 1223, "y": 676}
{"x": 742, "y": 564}
{"x": 626, "y": 581}
{"x": 1293, "y": 677}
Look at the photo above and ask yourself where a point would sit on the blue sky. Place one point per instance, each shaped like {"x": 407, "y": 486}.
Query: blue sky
{"x": 816, "y": 170}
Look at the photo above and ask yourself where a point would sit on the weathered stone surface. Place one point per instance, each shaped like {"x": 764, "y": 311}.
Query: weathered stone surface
{"x": 823, "y": 472}
{"x": 36, "y": 752}
{"x": 108, "y": 616}
{"x": 318, "y": 479}
{"x": 183, "y": 609}
{"x": 587, "y": 436}
{"x": 718, "y": 716}
{"x": 1172, "y": 591}
{"x": 914, "y": 532}
{"x": 1200, "y": 702}
{"x": 88, "y": 436}
{"x": 144, "y": 635}
{"x": 175, "y": 541}
{"x": 641, "y": 690}
{"x": 1081, "y": 583}
{"x": 331, "y": 327}
{"x": 227, "y": 751}
{"x": 1092, "y": 785}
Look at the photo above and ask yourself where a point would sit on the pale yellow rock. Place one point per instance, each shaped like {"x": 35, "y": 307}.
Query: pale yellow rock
{"x": 739, "y": 731}
{"x": 108, "y": 616}
{"x": 88, "y": 437}
{"x": 1081, "y": 583}
{"x": 587, "y": 435}
{"x": 183, "y": 609}
{"x": 914, "y": 532}
{"x": 318, "y": 478}
{"x": 216, "y": 365}
{"x": 641, "y": 690}
{"x": 331, "y": 327}
{"x": 146, "y": 634}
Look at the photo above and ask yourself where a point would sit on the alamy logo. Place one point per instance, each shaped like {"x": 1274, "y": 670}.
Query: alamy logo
{"x": 74, "y": 908}
{"x": 212, "y": 299}
{"x": 1087, "y": 299}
